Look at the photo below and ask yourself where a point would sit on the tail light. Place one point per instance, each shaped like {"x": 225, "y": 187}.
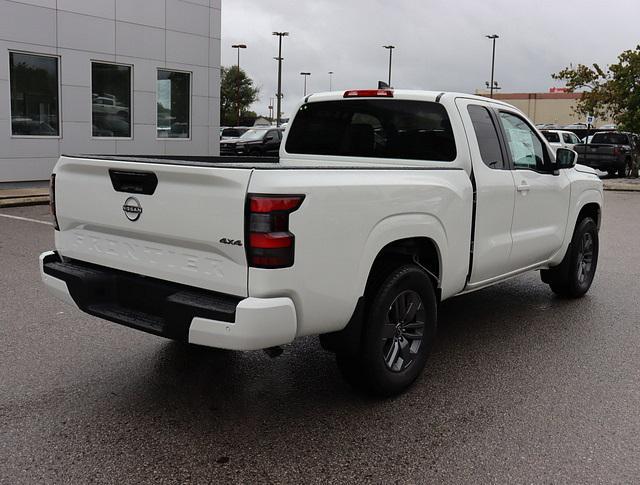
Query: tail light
{"x": 270, "y": 244}
{"x": 52, "y": 201}
{"x": 616, "y": 151}
{"x": 369, "y": 93}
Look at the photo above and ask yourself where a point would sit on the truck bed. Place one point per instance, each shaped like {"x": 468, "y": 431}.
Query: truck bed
{"x": 262, "y": 163}
{"x": 191, "y": 161}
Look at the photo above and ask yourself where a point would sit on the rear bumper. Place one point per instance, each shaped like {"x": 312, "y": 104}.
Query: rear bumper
{"x": 602, "y": 164}
{"x": 169, "y": 309}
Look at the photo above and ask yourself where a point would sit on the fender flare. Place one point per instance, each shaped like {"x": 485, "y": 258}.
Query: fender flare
{"x": 588, "y": 196}
{"x": 398, "y": 227}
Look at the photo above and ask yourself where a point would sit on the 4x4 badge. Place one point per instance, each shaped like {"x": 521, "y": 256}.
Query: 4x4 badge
{"x": 231, "y": 242}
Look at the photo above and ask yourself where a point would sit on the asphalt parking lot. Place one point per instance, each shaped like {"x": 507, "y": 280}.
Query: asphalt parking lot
{"x": 522, "y": 387}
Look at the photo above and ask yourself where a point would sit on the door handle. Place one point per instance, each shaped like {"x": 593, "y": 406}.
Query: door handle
{"x": 523, "y": 187}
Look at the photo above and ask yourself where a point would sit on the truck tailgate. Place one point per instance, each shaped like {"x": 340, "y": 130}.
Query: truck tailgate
{"x": 181, "y": 231}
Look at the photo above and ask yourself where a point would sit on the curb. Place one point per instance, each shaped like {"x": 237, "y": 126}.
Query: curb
{"x": 24, "y": 201}
{"x": 622, "y": 187}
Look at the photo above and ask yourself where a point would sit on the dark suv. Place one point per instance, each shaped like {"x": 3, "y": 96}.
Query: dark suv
{"x": 259, "y": 142}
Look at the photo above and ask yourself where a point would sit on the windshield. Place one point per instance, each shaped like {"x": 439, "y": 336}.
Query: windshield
{"x": 233, "y": 132}
{"x": 551, "y": 137}
{"x": 610, "y": 139}
{"x": 253, "y": 135}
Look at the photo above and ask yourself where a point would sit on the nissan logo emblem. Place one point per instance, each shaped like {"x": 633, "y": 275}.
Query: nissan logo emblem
{"x": 132, "y": 209}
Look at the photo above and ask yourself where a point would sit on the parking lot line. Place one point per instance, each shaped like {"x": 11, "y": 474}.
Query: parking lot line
{"x": 25, "y": 219}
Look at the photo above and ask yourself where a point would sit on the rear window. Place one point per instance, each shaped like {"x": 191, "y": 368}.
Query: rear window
{"x": 610, "y": 139}
{"x": 375, "y": 128}
{"x": 233, "y": 132}
{"x": 551, "y": 137}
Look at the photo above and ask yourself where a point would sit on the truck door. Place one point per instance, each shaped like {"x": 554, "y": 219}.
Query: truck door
{"x": 495, "y": 192}
{"x": 541, "y": 207}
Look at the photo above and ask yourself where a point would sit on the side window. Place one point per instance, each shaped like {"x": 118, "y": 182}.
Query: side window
{"x": 574, "y": 139}
{"x": 526, "y": 150}
{"x": 487, "y": 136}
{"x": 567, "y": 138}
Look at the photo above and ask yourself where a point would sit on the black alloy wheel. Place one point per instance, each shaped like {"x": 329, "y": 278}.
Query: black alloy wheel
{"x": 399, "y": 330}
{"x": 403, "y": 331}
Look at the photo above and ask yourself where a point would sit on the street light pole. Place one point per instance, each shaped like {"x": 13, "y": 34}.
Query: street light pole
{"x": 390, "y": 48}
{"x": 238, "y": 47}
{"x": 330, "y": 80}
{"x": 493, "y": 37}
{"x": 305, "y": 74}
{"x": 280, "y": 35}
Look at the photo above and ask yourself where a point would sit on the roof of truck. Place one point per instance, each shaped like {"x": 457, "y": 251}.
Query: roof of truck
{"x": 413, "y": 94}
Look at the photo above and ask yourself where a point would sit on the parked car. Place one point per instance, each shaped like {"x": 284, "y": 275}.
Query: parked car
{"x": 259, "y": 142}
{"x": 610, "y": 151}
{"x": 232, "y": 133}
{"x": 548, "y": 126}
{"x": 347, "y": 235}
{"x": 30, "y": 127}
{"x": 561, "y": 139}
{"x": 108, "y": 105}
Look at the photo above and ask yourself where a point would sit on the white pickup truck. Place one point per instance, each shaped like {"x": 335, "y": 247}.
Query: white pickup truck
{"x": 382, "y": 204}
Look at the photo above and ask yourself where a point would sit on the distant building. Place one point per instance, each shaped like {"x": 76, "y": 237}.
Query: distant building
{"x": 556, "y": 106}
{"x": 108, "y": 77}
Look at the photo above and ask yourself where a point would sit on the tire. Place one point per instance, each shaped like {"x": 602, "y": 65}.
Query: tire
{"x": 395, "y": 347}
{"x": 622, "y": 172}
{"x": 574, "y": 276}
{"x": 611, "y": 172}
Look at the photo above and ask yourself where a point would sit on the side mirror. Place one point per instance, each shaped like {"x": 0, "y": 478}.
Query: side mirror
{"x": 566, "y": 158}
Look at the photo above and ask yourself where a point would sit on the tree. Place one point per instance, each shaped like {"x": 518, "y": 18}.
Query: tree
{"x": 232, "y": 82}
{"x": 612, "y": 92}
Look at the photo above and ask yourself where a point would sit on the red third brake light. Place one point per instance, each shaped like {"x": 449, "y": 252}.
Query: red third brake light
{"x": 270, "y": 244}
{"x": 369, "y": 93}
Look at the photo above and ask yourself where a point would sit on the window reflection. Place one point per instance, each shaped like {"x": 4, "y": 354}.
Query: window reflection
{"x": 34, "y": 95}
{"x": 111, "y": 100}
{"x": 173, "y": 92}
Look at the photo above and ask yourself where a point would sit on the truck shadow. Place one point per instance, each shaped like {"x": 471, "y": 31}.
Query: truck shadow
{"x": 494, "y": 323}
{"x": 229, "y": 407}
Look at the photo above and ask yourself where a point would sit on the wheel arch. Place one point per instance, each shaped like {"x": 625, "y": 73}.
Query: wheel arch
{"x": 421, "y": 250}
{"x": 402, "y": 237}
{"x": 589, "y": 203}
{"x": 590, "y": 209}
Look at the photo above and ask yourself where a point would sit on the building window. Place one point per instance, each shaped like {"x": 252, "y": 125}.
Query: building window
{"x": 174, "y": 104}
{"x": 110, "y": 100}
{"x": 34, "y": 95}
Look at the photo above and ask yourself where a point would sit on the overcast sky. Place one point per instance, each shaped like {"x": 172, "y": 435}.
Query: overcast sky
{"x": 440, "y": 44}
